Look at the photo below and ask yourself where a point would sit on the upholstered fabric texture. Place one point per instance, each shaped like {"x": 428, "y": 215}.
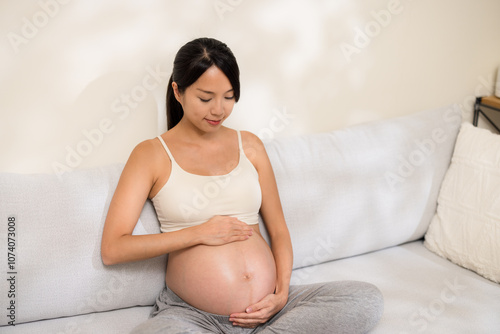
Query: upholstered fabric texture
{"x": 466, "y": 227}
{"x": 58, "y": 267}
{"x": 365, "y": 188}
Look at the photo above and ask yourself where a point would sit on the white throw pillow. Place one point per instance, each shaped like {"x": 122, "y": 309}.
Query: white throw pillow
{"x": 466, "y": 226}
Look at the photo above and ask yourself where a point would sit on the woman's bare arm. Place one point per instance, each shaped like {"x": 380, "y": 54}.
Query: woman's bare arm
{"x": 274, "y": 219}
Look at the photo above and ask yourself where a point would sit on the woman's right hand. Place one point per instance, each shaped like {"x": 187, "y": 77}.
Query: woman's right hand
{"x": 220, "y": 230}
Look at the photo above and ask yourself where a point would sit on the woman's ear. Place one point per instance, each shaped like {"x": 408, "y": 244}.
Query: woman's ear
{"x": 176, "y": 91}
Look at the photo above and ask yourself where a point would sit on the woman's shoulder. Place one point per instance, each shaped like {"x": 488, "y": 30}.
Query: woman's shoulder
{"x": 147, "y": 153}
{"x": 254, "y": 148}
{"x": 250, "y": 139}
{"x": 147, "y": 162}
{"x": 147, "y": 147}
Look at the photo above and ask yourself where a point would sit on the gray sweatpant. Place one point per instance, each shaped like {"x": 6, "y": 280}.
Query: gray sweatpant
{"x": 334, "y": 307}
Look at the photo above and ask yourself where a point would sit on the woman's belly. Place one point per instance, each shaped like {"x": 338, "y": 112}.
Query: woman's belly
{"x": 223, "y": 279}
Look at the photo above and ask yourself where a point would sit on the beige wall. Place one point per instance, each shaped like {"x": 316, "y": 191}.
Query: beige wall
{"x": 83, "y": 81}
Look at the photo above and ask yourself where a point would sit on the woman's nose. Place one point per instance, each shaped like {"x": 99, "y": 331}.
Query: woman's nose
{"x": 217, "y": 108}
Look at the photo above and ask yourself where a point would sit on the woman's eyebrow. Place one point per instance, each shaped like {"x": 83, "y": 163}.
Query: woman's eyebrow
{"x": 209, "y": 92}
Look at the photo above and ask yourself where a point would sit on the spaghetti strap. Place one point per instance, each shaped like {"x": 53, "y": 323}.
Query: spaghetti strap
{"x": 166, "y": 149}
{"x": 240, "y": 145}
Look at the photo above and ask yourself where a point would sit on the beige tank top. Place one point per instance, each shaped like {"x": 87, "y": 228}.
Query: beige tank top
{"x": 189, "y": 199}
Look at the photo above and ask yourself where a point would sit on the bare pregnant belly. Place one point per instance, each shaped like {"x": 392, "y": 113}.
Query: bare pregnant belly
{"x": 223, "y": 279}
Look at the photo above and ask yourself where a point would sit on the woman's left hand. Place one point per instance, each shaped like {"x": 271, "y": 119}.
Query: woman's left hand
{"x": 260, "y": 312}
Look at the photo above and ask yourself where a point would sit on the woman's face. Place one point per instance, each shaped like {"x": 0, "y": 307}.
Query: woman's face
{"x": 208, "y": 101}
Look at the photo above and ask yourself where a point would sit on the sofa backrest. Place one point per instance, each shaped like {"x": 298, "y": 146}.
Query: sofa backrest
{"x": 363, "y": 188}
{"x": 57, "y": 267}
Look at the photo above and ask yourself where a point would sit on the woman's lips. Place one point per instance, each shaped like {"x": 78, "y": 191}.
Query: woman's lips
{"x": 212, "y": 122}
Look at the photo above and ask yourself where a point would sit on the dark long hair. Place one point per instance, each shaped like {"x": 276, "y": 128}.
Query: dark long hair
{"x": 191, "y": 61}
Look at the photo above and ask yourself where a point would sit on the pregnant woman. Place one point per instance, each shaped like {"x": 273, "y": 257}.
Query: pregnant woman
{"x": 208, "y": 184}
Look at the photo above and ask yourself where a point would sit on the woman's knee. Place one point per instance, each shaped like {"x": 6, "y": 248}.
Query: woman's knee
{"x": 366, "y": 293}
{"x": 370, "y": 302}
{"x": 363, "y": 299}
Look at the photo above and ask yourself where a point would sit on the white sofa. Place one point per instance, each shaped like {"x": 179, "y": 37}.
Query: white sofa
{"x": 358, "y": 203}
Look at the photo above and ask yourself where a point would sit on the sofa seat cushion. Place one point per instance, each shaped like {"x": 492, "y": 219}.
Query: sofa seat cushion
{"x": 423, "y": 293}
{"x": 363, "y": 188}
{"x": 466, "y": 226}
